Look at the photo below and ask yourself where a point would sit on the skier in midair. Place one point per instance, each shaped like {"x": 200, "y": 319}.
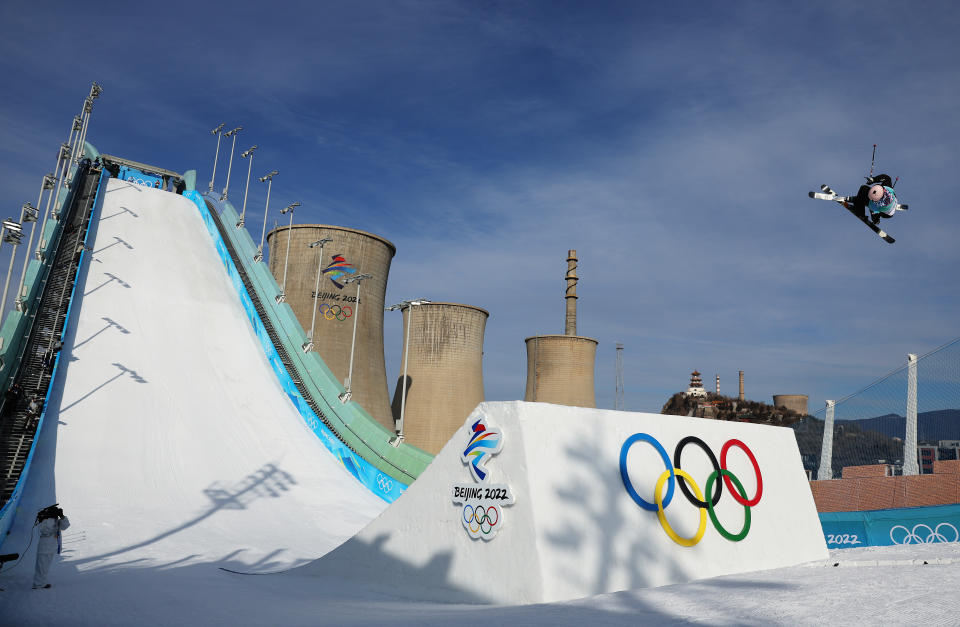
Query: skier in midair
{"x": 876, "y": 199}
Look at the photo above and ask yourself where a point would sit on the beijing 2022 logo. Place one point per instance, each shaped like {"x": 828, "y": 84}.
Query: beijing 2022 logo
{"x": 673, "y": 475}
{"x": 482, "y": 513}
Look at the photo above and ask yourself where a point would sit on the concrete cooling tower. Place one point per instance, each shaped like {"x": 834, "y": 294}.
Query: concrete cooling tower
{"x": 560, "y": 370}
{"x": 796, "y": 402}
{"x": 560, "y": 367}
{"x": 444, "y": 371}
{"x": 351, "y": 252}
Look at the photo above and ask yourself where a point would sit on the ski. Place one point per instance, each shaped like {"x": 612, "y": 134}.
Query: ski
{"x": 830, "y": 196}
{"x": 873, "y": 227}
{"x": 826, "y": 193}
{"x": 237, "y": 572}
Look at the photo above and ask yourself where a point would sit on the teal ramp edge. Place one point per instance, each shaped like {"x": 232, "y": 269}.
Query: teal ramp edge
{"x": 350, "y": 422}
{"x": 886, "y": 527}
{"x": 366, "y": 473}
{"x": 12, "y": 507}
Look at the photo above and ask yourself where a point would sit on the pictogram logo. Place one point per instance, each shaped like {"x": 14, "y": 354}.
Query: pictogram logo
{"x": 482, "y": 514}
{"x": 337, "y": 269}
{"x": 483, "y": 444}
{"x": 674, "y": 474}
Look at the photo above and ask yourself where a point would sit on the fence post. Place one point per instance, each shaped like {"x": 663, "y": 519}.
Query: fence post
{"x": 826, "y": 449}
{"x": 910, "y": 465}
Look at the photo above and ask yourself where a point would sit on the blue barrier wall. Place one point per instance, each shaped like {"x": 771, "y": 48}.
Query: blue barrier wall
{"x": 886, "y": 527}
{"x": 370, "y": 476}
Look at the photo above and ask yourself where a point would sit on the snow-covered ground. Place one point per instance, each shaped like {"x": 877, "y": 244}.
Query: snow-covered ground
{"x": 174, "y": 452}
{"x": 899, "y": 590}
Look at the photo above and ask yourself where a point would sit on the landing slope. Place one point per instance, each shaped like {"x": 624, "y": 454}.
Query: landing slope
{"x": 167, "y": 439}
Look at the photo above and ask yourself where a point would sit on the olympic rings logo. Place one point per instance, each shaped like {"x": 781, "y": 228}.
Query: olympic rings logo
{"x": 674, "y": 474}
{"x": 385, "y": 484}
{"x": 933, "y": 535}
{"x": 341, "y": 313}
{"x": 141, "y": 182}
{"x": 480, "y": 519}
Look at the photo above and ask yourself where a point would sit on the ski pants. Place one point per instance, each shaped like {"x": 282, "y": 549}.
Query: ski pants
{"x": 42, "y": 570}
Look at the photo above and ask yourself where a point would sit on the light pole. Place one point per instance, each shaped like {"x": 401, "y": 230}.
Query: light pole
{"x": 232, "y": 132}
{"x": 268, "y": 179}
{"x": 29, "y": 213}
{"x": 11, "y": 231}
{"x": 81, "y": 136}
{"x": 95, "y": 91}
{"x": 396, "y": 440}
{"x": 63, "y": 167}
{"x": 216, "y": 132}
{"x": 348, "y": 393}
{"x": 308, "y": 345}
{"x": 282, "y": 296}
{"x": 245, "y": 154}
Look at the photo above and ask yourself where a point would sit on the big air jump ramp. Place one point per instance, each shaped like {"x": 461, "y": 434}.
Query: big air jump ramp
{"x": 167, "y": 438}
{"x": 530, "y": 503}
{"x": 166, "y": 411}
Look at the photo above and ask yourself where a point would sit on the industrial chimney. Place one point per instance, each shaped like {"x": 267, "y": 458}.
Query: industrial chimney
{"x": 570, "y": 328}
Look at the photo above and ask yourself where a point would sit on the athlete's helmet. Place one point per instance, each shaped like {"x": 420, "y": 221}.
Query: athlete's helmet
{"x": 876, "y": 193}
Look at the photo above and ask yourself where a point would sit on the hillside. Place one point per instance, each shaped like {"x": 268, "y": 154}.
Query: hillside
{"x": 719, "y": 407}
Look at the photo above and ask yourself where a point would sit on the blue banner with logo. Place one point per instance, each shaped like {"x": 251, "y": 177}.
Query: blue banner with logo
{"x": 886, "y": 527}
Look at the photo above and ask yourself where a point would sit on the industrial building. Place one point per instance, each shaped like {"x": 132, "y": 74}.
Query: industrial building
{"x": 794, "y": 402}
{"x": 441, "y": 375}
{"x": 341, "y": 306}
{"x": 560, "y": 368}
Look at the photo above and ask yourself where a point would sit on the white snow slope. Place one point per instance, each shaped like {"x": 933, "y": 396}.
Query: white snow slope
{"x": 174, "y": 451}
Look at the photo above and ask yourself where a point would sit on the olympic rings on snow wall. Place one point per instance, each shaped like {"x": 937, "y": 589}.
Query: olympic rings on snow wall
{"x": 885, "y": 527}
{"x": 366, "y": 473}
{"x": 481, "y": 521}
{"x": 704, "y": 501}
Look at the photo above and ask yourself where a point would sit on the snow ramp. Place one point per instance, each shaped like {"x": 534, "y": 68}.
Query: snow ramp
{"x": 531, "y": 502}
{"x": 167, "y": 438}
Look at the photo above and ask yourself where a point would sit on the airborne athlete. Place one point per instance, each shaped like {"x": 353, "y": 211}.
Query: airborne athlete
{"x": 874, "y": 201}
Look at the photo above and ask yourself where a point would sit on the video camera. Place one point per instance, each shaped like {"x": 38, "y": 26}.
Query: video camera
{"x": 51, "y": 511}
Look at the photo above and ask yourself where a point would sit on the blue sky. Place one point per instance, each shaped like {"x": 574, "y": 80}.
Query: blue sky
{"x": 672, "y": 146}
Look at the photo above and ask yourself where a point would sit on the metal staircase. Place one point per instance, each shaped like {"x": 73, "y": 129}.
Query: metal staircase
{"x": 18, "y": 424}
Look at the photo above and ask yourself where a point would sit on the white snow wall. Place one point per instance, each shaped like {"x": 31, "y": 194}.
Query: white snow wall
{"x": 167, "y": 438}
{"x": 573, "y": 530}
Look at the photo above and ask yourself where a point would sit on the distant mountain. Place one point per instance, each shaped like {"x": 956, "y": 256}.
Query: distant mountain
{"x": 872, "y": 440}
{"x": 932, "y": 426}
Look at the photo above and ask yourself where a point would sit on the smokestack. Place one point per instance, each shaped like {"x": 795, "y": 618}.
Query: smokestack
{"x": 741, "y": 397}
{"x": 718, "y": 385}
{"x": 571, "y": 295}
